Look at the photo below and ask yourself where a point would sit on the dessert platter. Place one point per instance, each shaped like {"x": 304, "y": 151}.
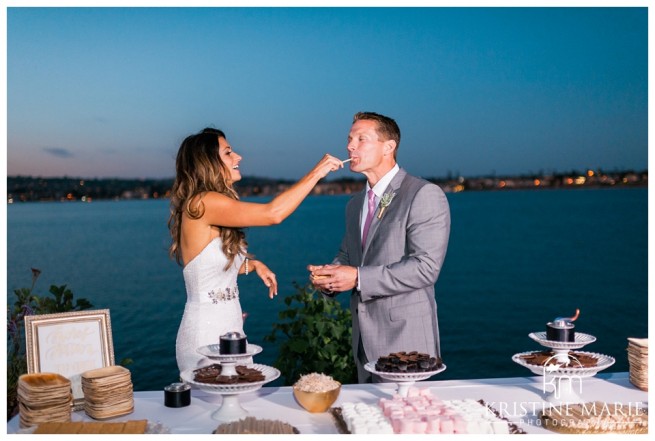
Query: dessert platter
{"x": 562, "y": 367}
{"x": 421, "y": 412}
{"x": 596, "y": 417}
{"x": 406, "y": 368}
{"x": 228, "y": 379}
{"x": 574, "y": 368}
{"x": 255, "y": 426}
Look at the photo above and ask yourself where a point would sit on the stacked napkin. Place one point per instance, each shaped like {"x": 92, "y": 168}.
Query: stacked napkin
{"x": 108, "y": 392}
{"x": 638, "y": 361}
{"x": 43, "y": 397}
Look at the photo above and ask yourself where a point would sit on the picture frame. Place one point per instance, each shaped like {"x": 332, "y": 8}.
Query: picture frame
{"x": 69, "y": 344}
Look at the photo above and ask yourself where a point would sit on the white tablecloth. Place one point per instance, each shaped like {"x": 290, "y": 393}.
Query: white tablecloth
{"x": 518, "y": 399}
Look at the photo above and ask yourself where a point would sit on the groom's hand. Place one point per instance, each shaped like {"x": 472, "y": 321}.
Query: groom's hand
{"x": 318, "y": 279}
{"x": 333, "y": 278}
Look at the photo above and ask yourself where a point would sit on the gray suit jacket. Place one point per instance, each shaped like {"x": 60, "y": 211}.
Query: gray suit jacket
{"x": 398, "y": 267}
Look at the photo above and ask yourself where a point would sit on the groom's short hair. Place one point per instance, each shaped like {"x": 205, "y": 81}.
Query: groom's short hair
{"x": 387, "y": 127}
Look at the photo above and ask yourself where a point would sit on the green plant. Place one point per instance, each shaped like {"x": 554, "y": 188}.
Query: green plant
{"x": 318, "y": 337}
{"x": 28, "y": 303}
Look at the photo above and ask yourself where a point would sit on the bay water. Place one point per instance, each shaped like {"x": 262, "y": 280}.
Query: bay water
{"x": 516, "y": 260}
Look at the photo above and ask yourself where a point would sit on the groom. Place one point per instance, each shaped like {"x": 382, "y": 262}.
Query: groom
{"x": 392, "y": 252}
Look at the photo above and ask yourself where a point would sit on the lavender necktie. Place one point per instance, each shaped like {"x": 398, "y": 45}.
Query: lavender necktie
{"x": 369, "y": 216}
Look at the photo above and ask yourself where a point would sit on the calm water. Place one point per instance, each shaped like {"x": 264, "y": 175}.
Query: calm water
{"x": 515, "y": 261}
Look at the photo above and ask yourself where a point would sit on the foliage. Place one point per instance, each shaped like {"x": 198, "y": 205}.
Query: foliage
{"x": 28, "y": 303}
{"x": 318, "y": 337}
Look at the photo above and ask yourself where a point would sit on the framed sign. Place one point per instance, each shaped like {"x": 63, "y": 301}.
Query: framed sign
{"x": 69, "y": 344}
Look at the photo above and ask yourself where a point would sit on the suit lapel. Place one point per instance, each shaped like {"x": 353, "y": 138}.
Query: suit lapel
{"x": 393, "y": 187}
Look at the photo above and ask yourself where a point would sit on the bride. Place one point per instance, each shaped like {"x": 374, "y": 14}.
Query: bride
{"x": 206, "y": 224}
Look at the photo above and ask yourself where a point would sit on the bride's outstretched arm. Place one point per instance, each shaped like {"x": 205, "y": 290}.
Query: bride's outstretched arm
{"x": 223, "y": 211}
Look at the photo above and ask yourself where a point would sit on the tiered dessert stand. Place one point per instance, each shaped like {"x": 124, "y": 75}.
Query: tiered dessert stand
{"x": 564, "y": 380}
{"x": 404, "y": 380}
{"x": 231, "y": 409}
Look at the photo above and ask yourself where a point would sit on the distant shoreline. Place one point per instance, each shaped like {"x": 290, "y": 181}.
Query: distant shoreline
{"x": 66, "y": 189}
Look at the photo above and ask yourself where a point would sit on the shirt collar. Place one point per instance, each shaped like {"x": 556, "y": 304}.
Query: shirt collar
{"x": 384, "y": 182}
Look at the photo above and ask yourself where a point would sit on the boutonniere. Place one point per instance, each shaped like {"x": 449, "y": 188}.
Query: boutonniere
{"x": 384, "y": 203}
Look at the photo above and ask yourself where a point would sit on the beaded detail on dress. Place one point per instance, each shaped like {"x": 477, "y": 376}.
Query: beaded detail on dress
{"x": 223, "y": 295}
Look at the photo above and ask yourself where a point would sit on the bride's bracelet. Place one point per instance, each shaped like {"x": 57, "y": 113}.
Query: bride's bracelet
{"x": 247, "y": 266}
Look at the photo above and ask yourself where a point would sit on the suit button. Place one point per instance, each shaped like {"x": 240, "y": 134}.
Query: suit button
{"x": 356, "y": 310}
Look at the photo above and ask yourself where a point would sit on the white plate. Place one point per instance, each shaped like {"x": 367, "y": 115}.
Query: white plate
{"x": 406, "y": 376}
{"x": 270, "y": 374}
{"x": 214, "y": 352}
{"x": 580, "y": 341}
{"x": 604, "y": 361}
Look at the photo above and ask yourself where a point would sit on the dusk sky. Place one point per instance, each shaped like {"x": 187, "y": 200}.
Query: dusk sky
{"x": 111, "y": 92}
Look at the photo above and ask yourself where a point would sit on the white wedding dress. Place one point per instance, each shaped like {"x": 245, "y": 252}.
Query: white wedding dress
{"x": 212, "y": 306}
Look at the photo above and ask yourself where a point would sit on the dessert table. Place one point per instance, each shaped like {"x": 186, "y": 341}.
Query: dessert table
{"x": 518, "y": 399}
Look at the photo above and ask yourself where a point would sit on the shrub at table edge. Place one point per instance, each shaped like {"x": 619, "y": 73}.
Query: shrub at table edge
{"x": 315, "y": 335}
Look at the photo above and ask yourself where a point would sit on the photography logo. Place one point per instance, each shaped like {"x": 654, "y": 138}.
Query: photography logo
{"x": 559, "y": 374}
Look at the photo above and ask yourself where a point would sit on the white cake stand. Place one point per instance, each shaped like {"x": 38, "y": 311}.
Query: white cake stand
{"x": 231, "y": 409}
{"x": 214, "y": 351}
{"x": 564, "y": 379}
{"x": 405, "y": 380}
{"x": 562, "y": 348}
{"x": 228, "y": 362}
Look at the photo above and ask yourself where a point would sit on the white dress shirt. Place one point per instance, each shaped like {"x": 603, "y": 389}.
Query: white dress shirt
{"x": 378, "y": 189}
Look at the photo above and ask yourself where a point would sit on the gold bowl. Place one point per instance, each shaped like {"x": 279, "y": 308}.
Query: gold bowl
{"x": 316, "y": 402}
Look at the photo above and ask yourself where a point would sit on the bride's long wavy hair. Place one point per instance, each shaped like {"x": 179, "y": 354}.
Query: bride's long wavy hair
{"x": 199, "y": 169}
